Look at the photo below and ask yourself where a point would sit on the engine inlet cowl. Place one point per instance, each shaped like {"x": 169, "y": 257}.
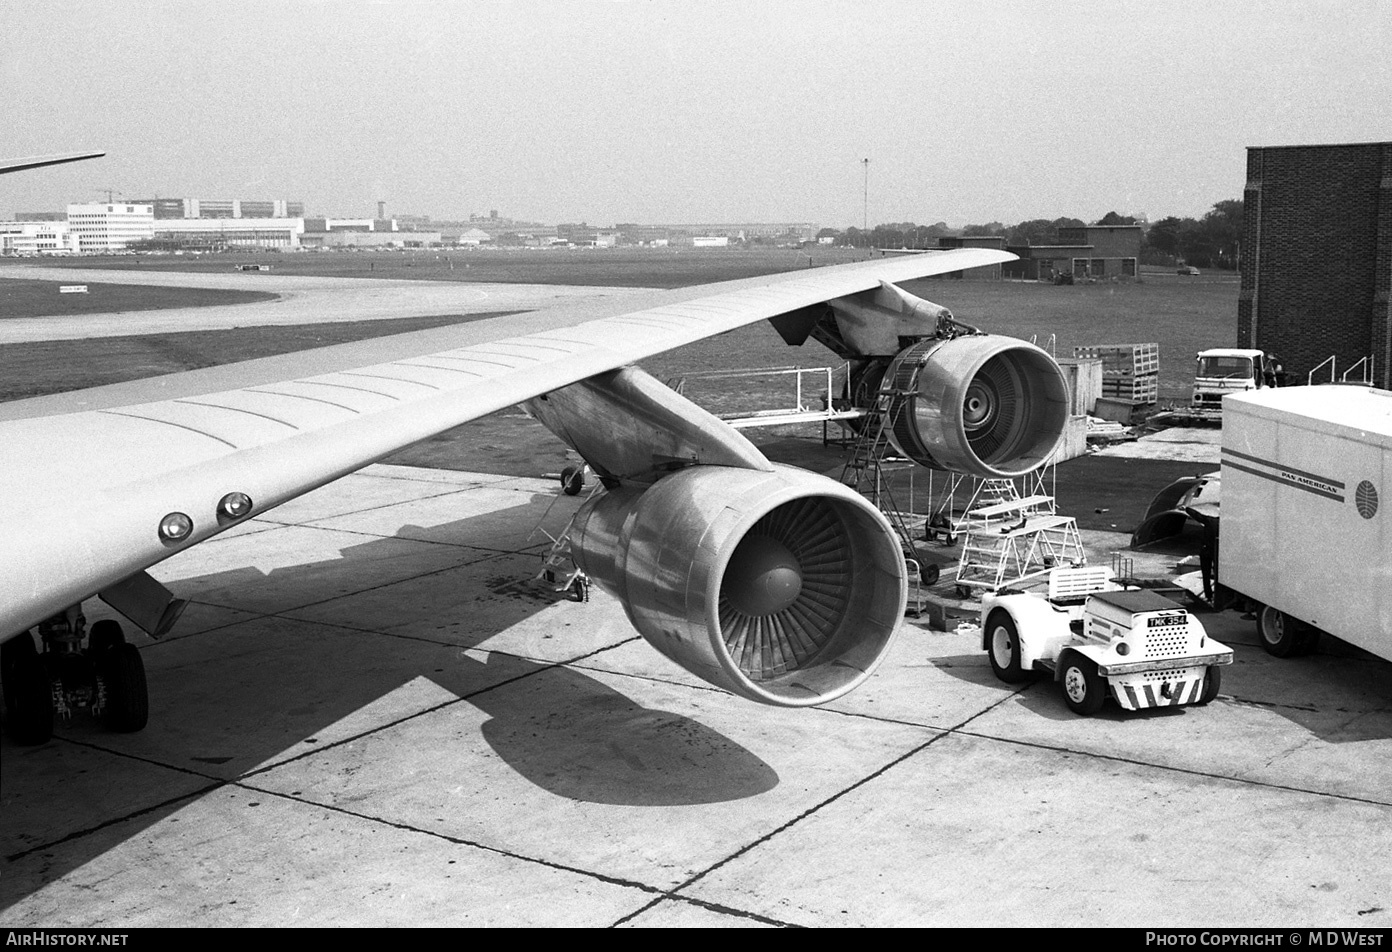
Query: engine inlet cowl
{"x": 783, "y": 587}
{"x": 984, "y": 405}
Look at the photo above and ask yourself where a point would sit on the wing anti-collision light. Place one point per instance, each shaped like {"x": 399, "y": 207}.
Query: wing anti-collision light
{"x": 175, "y": 528}
{"x": 233, "y": 506}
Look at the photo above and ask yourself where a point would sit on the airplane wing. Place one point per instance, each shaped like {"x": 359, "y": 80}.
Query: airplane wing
{"x": 39, "y": 161}
{"x": 100, "y": 484}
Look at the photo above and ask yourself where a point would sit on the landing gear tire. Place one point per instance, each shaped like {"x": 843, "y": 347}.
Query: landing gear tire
{"x": 127, "y": 698}
{"x": 1083, "y": 689}
{"x": 572, "y": 480}
{"x": 1003, "y": 647}
{"x": 1284, "y": 636}
{"x": 929, "y": 573}
{"x": 1212, "y": 681}
{"x": 104, "y": 636}
{"x": 28, "y": 692}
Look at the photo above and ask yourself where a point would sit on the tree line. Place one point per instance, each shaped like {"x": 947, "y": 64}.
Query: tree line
{"x": 1213, "y": 241}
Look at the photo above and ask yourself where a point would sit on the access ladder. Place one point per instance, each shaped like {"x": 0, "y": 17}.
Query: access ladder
{"x": 865, "y": 472}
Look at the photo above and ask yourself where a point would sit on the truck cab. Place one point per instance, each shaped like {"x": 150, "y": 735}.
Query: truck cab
{"x": 1224, "y": 370}
{"x": 1100, "y": 639}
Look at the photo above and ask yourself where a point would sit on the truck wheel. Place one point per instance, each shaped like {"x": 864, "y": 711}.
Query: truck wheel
{"x": 1003, "y": 647}
{"x": 1083, "y": 689}
{"x": 1212, "y": 681}
{"x": 1280, "y": 634}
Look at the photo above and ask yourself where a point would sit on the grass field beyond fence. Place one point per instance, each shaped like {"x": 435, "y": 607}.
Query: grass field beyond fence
{"x": 1181, "y": 315}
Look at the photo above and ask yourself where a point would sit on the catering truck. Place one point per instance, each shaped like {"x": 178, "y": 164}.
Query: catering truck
{"x": 1303, "y": 536}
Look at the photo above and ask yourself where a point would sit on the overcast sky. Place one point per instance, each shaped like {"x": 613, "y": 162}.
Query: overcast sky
{"x": 678, "y": 110}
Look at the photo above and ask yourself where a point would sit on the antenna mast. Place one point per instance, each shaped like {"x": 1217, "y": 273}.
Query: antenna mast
{"x": 865, "y": 208}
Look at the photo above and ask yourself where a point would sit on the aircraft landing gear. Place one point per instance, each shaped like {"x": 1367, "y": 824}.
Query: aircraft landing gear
{"x": 106, "y": 679}
{"x": 28, "y": 693}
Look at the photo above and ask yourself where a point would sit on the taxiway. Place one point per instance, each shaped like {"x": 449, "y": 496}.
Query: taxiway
{"x": 302, "y": 300}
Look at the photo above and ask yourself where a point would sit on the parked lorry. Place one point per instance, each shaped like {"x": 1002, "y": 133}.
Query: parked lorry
{"x": 1225, "y": 370}
{"x": 1100, "y": 639}
{"x": 1302, "y": 536}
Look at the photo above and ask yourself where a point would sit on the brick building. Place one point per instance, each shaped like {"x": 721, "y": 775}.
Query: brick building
{"x": 1317, "y": 256}
{"x": 1100, "y": 252}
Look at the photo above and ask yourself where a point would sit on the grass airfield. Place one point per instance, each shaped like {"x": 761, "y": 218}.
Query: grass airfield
{"x": 1182, "y": 314}
{"x": 370, "y": 716}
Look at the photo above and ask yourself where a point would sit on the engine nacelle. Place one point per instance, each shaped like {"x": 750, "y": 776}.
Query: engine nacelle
{"x": 989, "y": 406}
{"x": 783, "y": 587}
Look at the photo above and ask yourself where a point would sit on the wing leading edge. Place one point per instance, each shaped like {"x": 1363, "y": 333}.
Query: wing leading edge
{"x": 181, "y": 443}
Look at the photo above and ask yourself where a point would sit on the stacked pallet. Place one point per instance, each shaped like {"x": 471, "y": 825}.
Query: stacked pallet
{"x": 1129, "y": 371}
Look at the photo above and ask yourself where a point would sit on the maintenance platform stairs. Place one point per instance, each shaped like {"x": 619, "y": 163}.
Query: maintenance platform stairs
{"x": 1009, "y": 539}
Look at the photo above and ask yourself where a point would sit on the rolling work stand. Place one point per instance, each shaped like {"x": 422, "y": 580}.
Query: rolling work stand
{"x": 1008, "y": 539}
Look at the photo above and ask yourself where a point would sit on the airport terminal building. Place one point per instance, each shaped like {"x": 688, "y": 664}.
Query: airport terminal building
{"x": 110, "y": 226}
{"x": 122, "y": 226}
{"x": 37, "y": 238}
{"x": 274, "y": 233}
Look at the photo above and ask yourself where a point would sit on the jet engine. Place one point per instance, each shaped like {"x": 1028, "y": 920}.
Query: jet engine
{"x": 781, "y": 586}
{"x": 984, "y": 405}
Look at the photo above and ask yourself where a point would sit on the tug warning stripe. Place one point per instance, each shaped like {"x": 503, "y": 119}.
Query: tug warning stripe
{"x": 1152, "y": 695}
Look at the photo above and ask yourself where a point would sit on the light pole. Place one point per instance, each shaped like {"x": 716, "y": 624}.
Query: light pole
{"x": 865, "y": 206}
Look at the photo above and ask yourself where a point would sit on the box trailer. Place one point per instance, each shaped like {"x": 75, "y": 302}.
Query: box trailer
{"x": 1304, "y": 529}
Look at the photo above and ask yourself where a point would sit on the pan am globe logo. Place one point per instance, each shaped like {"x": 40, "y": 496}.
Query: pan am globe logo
{"x": 1365, "y": 497}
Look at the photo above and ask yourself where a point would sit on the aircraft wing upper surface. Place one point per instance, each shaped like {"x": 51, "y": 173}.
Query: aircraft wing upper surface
{"x": 87, "y": 476}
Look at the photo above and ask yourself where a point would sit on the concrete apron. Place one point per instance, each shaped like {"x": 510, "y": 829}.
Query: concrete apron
{"x": 371, "y": 716}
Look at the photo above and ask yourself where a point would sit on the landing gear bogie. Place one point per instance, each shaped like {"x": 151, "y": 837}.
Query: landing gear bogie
{"x": 105, "y": 679}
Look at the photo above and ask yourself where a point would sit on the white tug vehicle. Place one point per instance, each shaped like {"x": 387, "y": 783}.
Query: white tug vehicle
{"x": 1099, "y": 638}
